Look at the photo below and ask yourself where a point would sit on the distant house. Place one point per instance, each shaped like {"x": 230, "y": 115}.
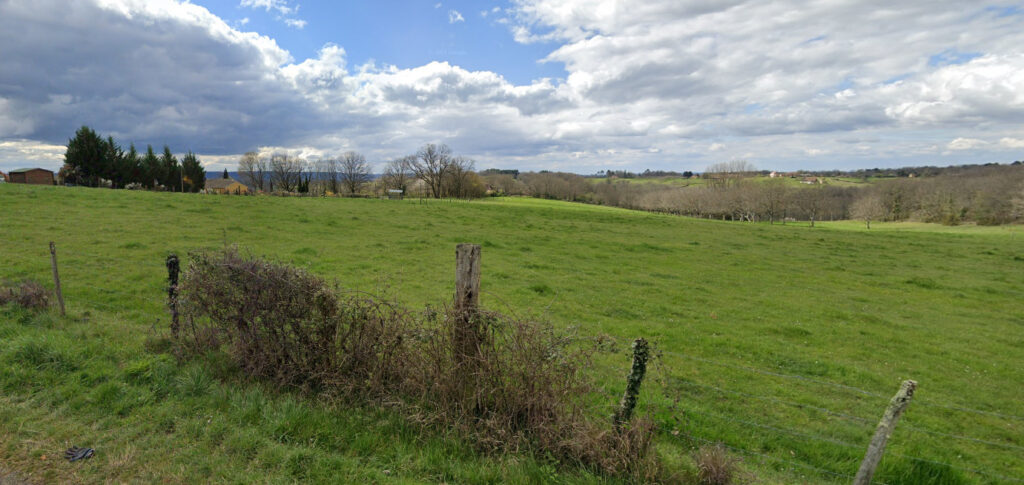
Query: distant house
{"x": 35, "y": 176}
{"x": 225, "y": 186}
{"x": 773, "y": 174}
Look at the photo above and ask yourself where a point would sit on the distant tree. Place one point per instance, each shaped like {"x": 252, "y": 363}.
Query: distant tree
{"x": 330, "y": 170}
{"x": 286, "y": 172}
{"x": 810, "y": 200}
{"x": 355, "y": 172}
{"x": 306, "y": 177}
{"x": 225, "y": 175}
{"x": 253, "y": 169}
{"x": 153, "y": 171}
{"x": 171, "y": 171}
{"x": 130, "y": 166}
{"x": 193, "y": 173}
{"x": 111, "y": 169}
{"x": 456, "y": 182}
{"x": 397, "y": 174}
{"x": 431, "y": 164}
{"x": 85, "y": 157}
{"x": 728, "y": 174}
{"x": 868, "y": 207}
{"x": 774, "y": 194}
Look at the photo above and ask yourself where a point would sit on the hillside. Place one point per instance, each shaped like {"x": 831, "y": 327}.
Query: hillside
{"x": 783, "y": 342}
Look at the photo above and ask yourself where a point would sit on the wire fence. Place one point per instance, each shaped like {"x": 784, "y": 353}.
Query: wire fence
{"x": 803, "y": 435}
{"x": 854, "y": 450}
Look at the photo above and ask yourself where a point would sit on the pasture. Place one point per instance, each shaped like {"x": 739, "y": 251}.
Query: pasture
{"x": 782, "y": 342}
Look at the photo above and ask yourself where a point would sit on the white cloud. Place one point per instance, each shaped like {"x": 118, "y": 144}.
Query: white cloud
{"x": 454, "y": 16}
{"x": 285, "y": 11}
{"x": 965, "y": 144}
{"x": 295, "y": 23}
{"x": 1012, "y": 142}
{"x": 281, "y": 6}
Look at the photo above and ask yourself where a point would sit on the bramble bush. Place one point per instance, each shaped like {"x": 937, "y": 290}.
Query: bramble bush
{"x": 520, "y": 387}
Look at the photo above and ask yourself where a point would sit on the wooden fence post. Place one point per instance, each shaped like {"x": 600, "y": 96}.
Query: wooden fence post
{"x": 467, "y": 335}
{"x": 56, "y": 276}
{"x": 876, "y": 448}
{"x": 641, "y": 352}
{"x": 173, "y": 268}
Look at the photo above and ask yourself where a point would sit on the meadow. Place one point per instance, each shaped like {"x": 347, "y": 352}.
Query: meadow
{"x": 784, "y": 343}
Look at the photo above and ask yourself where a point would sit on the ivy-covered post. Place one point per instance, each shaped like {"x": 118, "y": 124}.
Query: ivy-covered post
{"x": 641, "y": 352}
{"x": 173, "y": 268}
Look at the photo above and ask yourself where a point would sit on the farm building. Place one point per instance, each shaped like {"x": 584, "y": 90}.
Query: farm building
{"x": 225, "y": 186}
{"x": 36, "y": 176}
{"x": 3, "y": 177}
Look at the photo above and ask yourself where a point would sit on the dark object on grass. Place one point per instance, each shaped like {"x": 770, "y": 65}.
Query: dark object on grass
{"x": 75, "y": 453}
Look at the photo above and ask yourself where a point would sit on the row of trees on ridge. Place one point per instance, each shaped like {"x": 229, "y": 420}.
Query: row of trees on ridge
{"x": 432, "y": 171}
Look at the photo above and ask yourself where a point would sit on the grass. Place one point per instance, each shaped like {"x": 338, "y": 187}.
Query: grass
{"x": 835, "y": 303}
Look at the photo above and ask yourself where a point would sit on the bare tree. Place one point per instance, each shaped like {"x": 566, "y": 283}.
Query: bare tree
{"x": 773, "y": 199}
{"x": 457, "y": 183}
{"x": 286, "y": 172}
{"x": 330, "y": 169}
{"x": 728, "y": 174}
{"x": 253, "y": 170}
{"x": 869, "y": 207}
{"x": 431, "y": 164}
{"x": 397, "y": 174}
{"x": 355, "y": 172}
{"x": 810, "y": 201}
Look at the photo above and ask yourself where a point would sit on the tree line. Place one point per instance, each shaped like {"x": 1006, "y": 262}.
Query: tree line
{"x": 982, "y": 194}
{"x": 93, "y": 161}
{"x": 433, "y": 171}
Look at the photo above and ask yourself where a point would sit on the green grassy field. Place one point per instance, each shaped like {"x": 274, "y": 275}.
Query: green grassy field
{"x": 768, "y": 336}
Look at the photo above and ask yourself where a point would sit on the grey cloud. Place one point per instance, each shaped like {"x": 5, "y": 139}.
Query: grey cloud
{"x": 152, "y": 80}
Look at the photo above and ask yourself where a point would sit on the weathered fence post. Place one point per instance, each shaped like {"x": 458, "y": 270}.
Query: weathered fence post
{"x": 173, "y": 267}
{"x": 467, "y": 335}
{"x": 641, "y": 353}
{"x": 56, "y": 276}
{"x": 883, "y": 431}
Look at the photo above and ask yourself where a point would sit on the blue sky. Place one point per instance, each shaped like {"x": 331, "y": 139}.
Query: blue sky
{"x": 404, "y": 34}
{"x": 575, "y": 85}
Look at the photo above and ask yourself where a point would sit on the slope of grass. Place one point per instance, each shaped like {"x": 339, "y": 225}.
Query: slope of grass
{"x": 861, "y": 308}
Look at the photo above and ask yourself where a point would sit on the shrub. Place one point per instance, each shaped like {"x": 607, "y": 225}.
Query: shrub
{"x": 504, "y": 383}
{"x": 287, "y": 325}
{"x": 28, "y": 294}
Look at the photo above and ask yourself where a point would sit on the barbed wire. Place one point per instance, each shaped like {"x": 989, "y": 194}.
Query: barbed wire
{"x": 839, "y": 386}
{"x": 677, "y": 434}
{"x": 781, "y": 401}
{"x": 970, "y": 410}
{"x": 776, "y": 429}
{"x": 777, "y": 374}
{"x": 957, "y": 467}
{"x": 960, "y": 437}
{"x": 850, "y": 445}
